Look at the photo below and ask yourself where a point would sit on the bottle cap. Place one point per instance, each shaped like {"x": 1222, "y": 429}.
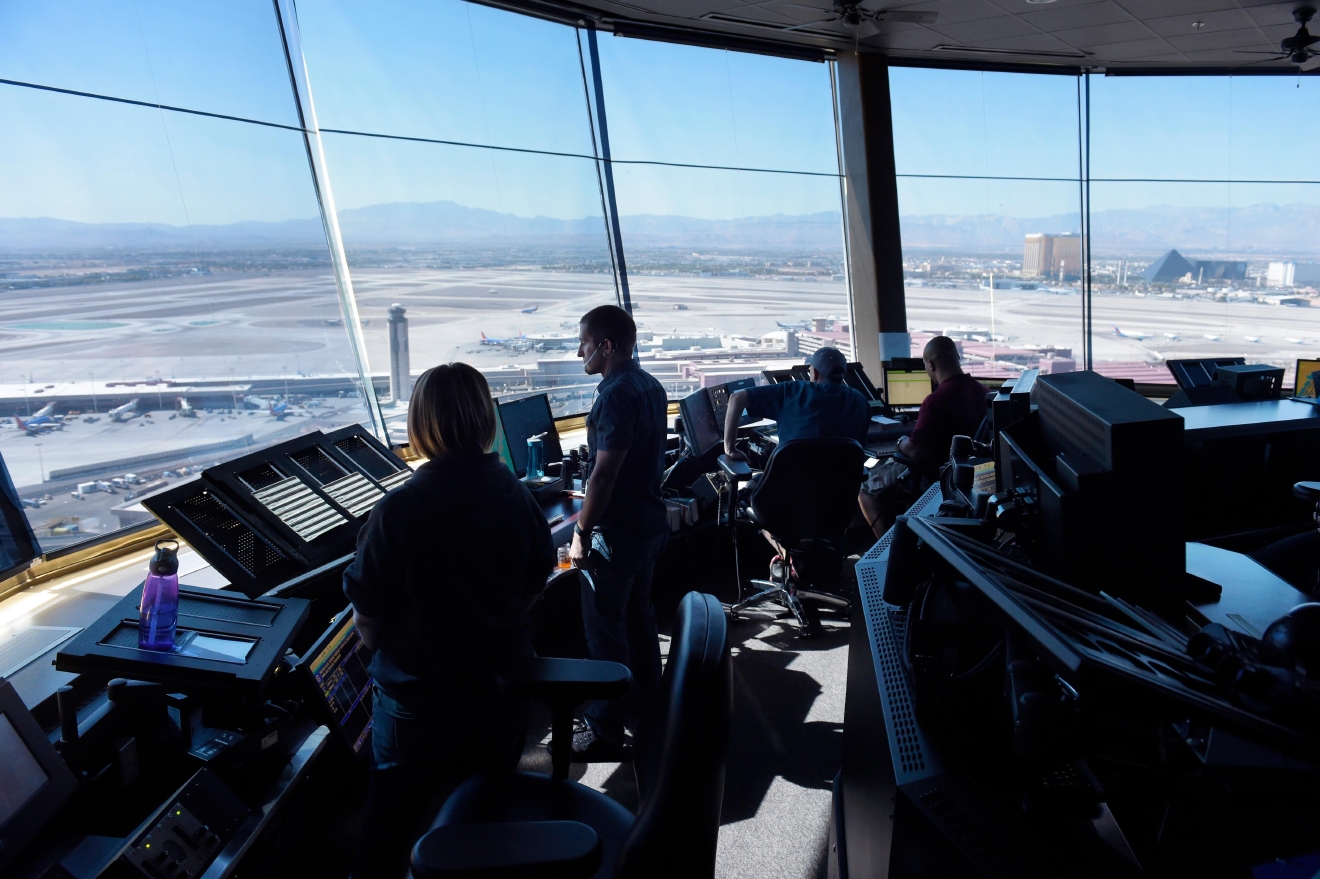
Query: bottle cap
{"x": 166, "y": 559}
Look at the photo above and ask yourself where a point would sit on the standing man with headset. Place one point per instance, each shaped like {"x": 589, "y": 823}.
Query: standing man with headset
{"x": 623, "y": 527}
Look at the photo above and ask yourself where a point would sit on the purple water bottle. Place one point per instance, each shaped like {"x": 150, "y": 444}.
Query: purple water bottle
{"x": 160, "y": 598}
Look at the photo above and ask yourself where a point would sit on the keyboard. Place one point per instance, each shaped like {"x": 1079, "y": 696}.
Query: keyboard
{"x": 882, "y": 450}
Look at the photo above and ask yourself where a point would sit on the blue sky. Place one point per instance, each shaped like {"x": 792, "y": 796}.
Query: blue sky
{"x": 456, "y": 71}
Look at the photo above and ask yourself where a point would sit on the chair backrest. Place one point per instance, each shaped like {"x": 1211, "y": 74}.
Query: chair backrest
{"x": 681, "y": 751}
{"x": 809, "y": 490}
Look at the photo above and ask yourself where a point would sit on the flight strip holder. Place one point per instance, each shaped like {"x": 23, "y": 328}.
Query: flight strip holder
{"x": 274, "y": 515}
{"x": 222, "y": 642}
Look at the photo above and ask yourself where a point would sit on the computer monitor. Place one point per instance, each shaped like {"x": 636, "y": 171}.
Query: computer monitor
{"x": 18, "y": 542}
{"x": 906, "y": 382}
{"x": 1199, "y": 373}
{"x": 719, "y": 399}
{"x": 336, "y": 666}
{"x": 526, "y": 418}
{"x": 34, "y": 780}
{"x": 778, "y": 376}
{"x": 700, "y": 429}
{"x": 1305, "y": 379}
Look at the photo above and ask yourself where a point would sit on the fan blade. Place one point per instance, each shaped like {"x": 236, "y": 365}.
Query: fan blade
{"x": 1255, "y": 52}
{"x": 1312, "y": 63}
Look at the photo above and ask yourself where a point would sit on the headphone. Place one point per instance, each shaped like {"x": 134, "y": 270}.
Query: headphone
{"x": 594, "y": 353}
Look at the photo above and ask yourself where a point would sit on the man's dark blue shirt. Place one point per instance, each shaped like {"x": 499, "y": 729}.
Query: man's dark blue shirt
{"x": 808, "y": 410}
{"x": 629, "y": 415}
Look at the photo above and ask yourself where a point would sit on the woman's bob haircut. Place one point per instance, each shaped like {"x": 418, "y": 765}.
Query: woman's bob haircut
{"x": 451, "y": 412}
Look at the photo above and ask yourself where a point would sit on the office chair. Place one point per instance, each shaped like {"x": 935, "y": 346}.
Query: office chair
{"x": 805, "y": 500}
{"x": 523, "y": 824}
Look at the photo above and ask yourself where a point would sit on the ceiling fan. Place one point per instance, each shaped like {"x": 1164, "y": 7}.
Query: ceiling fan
{"x": 1299, "y": 47}
{"x": 852, "y": 16}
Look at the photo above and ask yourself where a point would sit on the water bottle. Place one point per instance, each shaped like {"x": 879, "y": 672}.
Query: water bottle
{"x": 160, "y": 598}
{"x": 535, "y": 456}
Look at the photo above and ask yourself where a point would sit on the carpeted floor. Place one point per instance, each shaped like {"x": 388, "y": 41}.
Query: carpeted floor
{"x": 784, "y": 752}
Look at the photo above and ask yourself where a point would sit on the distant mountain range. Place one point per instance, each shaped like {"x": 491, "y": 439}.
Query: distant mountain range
{"x": 1262, "y": 228}
{"x": 440, "y": 223}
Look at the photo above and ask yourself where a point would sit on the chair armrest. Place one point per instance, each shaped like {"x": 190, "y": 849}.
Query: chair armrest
{"x": 564, "y": 684}
{"x": 556, "y": 681}
{"x": 507, "y": 850}
{"x": 1307, "y": 491}
{"x": 737, "y": 471}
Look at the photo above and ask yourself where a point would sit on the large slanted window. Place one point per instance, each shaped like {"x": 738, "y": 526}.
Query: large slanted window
{"x": 167, "y": 294}
{"x": 1205, "y": 212}
{"x": 990, "y": 210}
{"x": 726, "y": 171}
{"x": 459, "y": 145}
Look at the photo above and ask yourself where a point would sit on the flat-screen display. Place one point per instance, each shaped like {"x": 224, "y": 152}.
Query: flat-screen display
{"x": 1304, "y": 382}
{"x": 526, "y": 418}
{"x": 700, "y": 428}
{"x": 21, "y": 775}
{"x": 338, "y": 666}
{"x": 907, "y": 388}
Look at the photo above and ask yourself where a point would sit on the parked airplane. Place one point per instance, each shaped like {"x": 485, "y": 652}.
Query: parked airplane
{"x": 124, "y": 412}
{"x": 531, "y": 310}
{"x": 802, "y": 324}
{"x": 1255, "y": 339}
{"x": 1210, "y": 337}
{"x": 1138, "y": 336}
{"x": 36, "y": 428}
{"x": 1296, "y": 341}
{"x": 280, "y": 410}
{"x": 1172, "y": 337}
{"x": 186, "y": 409}
{"x": 490, "y": 341}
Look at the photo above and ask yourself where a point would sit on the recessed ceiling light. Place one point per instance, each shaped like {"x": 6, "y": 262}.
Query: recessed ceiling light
{"x": 1039, "y": 2}
{"x": 1197, "y": 25}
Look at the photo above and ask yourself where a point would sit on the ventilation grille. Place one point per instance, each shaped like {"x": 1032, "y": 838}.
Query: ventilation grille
{"x": 297, "y": 506}
{"x": 355, "y": 494}
{"x": 261, "y": 477}
{"x": 396, "y": 479}
{"x": 318, "y": 465}
{"x": 250, "y": 551}
{"x": 363, "y": 454}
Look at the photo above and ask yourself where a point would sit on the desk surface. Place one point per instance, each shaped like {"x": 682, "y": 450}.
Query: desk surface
{"x": 1253, "y": 595}
{"x": 1248, "y": 419}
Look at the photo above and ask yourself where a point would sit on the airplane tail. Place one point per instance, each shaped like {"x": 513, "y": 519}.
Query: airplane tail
{"x": 483, "y": 337}
{"x": 1117, "y": 331}
{"x": 19, "y": 422}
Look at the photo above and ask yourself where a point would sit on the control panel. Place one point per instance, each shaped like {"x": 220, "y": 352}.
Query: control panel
{"x": 190, "y": 832}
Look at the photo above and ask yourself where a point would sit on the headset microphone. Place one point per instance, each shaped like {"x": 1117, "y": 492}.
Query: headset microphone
{"x": 594, "y": 353}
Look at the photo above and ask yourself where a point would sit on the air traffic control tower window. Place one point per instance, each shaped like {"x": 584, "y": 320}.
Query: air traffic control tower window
{"x": 726, "y": 170}
{"x": 168, "y": 300}
{"x": 990, "y": 212}
{"x": 460, "y": 146}
{"x": 1205, "y": 206}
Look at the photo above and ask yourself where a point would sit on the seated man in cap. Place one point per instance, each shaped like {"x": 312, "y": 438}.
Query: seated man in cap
{"x": 822, "y": 407}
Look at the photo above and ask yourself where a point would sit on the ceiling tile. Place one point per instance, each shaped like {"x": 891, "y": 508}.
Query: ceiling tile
{"x": 1106, "y": 34}
{"x": 1181, "y": 25}
{"x": 1239, "y": 39}
{"x": 1030, "y": 42}
{"x": 978, "y": 32}
{"x": 1131, "y": 50}
{"x": 1058, "y": 18}
{"x": 1144, "y": 9}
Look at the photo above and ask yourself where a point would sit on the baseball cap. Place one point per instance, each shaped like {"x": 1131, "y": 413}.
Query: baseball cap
{"x": 830, "y": 363}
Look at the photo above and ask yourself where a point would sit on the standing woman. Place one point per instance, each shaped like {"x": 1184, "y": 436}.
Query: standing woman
{"x": 447, "y": 568}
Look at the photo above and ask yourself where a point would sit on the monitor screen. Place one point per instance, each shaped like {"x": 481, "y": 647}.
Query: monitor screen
{"x": 907, "y": 388}
{"x": 21, "y": 775}
{"x": 526, "y": 418}
{"x": 338, "y": 666}
{"x": 700, "y": 428}
{"x": 1304, "y": 383}
{"x": 719, "y": 399}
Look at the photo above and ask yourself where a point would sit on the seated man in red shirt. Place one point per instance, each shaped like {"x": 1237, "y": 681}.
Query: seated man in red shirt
{"x": 955, "y": 408}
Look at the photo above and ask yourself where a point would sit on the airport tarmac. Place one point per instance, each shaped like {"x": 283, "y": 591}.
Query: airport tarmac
{"x": 235, "y": 325}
